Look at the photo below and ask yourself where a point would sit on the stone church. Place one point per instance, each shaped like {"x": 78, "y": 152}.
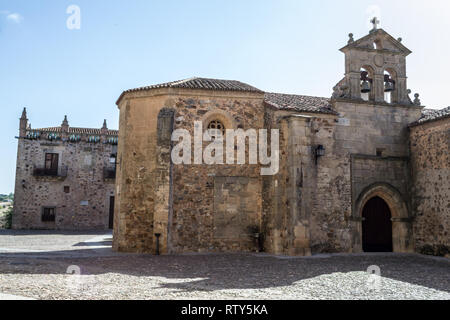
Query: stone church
{"x": 366, "y": 170}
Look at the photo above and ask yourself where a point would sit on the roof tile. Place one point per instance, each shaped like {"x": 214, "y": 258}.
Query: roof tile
{"x": 73, "y": 130}
{"x": 429, "y": 115}
{"x": 201, "y": 83}
{"x": 299, "y": 103}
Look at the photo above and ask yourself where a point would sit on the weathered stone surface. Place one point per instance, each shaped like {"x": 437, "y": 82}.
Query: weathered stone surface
{"x": 80, "y": 193}
{"x": 179, "y": 199}
{"x": 430, "y": 160}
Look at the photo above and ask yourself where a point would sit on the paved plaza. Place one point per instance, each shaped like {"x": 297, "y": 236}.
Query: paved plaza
{"x": 68, "y": 265}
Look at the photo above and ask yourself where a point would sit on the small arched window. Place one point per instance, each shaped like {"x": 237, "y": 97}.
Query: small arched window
{"x": 389, "y": 87}
{"x": 216, "y": 125}
{"x": 366, "y": 84}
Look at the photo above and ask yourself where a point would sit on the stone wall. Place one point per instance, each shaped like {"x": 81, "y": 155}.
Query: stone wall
{"x": 430, "y": 159}
{"x": 374, "y": 139}
{"x": 136, "y": 173}
{"x": 310, "y": 206}
{"x": 314, "y": 205}
{"x": 81, "y": 164}
{"x": 331, "y": 204}
{"x": 205, "y": 195}
{"x": 185, "y": 204}
{"x": 310, "y": 200}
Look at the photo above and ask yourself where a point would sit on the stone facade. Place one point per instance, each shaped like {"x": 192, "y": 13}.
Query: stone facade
{"x": 165, "y": 196}
{"x": 430, "y": 161}
{"x": 335, "y": 156}
{"x": 78, "y": 190}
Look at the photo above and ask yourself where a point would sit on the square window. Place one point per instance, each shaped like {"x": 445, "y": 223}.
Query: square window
{"x": 380, "y": 152}
{"x": 66, "y": 189}
{"x": 48, "y": 215}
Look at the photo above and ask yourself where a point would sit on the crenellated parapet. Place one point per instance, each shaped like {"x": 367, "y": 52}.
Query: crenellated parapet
{"x": 68, "y": 134}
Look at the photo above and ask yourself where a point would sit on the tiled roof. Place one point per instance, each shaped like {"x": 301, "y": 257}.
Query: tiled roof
{"x": 276, "y": 100}
{"x": 429, "y": 115}
{"x": 200, "y": 83}
{"x": 49, "y": 129}
{"x": 73, "y": 130}
{"x": 299, "y": 103}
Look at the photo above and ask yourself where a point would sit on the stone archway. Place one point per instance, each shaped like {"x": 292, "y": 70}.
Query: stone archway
{"x": 220, "y": 115}
{"x": 402, "y": 238}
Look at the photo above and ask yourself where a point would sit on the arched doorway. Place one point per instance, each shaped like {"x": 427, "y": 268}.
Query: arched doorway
{"x": 377, "y": 226}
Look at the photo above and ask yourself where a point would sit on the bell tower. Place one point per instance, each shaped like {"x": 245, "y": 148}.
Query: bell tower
{"x": 375, "y": 68}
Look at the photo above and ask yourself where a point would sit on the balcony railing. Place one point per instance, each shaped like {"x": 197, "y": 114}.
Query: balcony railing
{"x": 109, "y": 173}
{"x": 60, "y": 172}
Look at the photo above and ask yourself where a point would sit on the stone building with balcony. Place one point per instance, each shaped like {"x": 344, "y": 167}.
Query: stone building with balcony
{"x": 364, "y": 170}
{"x": 64, "y": 177}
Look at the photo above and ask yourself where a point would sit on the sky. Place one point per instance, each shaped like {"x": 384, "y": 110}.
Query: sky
{"x": 286, "y": 46}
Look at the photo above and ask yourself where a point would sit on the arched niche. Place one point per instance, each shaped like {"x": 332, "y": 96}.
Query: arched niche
{"x": 390, "y": 83}
{"x": 219, "y": 115}
{"x": 366, "y": 81}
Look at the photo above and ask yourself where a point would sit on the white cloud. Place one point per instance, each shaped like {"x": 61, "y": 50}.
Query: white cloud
{"x": 14, "y": 17}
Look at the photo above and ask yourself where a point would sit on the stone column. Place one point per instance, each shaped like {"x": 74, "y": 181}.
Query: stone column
{"x": 298, "y": 190}
{"x": 354, "y": 79}
{"x": 402, "y": 235}
{"x": 402, "y": 91}
{"x": 378, "y": 87}
{"x": 163, "y": 181}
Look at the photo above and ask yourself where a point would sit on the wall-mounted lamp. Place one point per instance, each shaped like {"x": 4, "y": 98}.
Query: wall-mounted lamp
{"x": 319, "y": 152}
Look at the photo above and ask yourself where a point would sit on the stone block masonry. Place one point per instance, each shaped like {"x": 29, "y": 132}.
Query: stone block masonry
{"x": 430, "y": 159}
{"x": 64, "y": 178}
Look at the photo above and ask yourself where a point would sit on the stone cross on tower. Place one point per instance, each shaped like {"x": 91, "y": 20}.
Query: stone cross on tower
{"x": 375, "y": 23}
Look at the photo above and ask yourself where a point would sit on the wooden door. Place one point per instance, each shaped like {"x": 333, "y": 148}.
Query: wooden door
{"x": 377, "y": 226}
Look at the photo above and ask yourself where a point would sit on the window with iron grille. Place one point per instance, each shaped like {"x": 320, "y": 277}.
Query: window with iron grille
{"x": 48, "y": 215}
{"x": 216, "y": 124}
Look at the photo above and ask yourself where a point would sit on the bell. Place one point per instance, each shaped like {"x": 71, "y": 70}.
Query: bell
{"x": 365, "y": 86}
{"x": 388, "y": 86}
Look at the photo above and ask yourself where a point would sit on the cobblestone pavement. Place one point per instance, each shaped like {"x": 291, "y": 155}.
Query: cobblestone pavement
{"x": 36, "y": 265}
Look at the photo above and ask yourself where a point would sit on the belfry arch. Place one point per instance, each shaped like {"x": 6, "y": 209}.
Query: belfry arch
{"x": 402, "y": 238}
